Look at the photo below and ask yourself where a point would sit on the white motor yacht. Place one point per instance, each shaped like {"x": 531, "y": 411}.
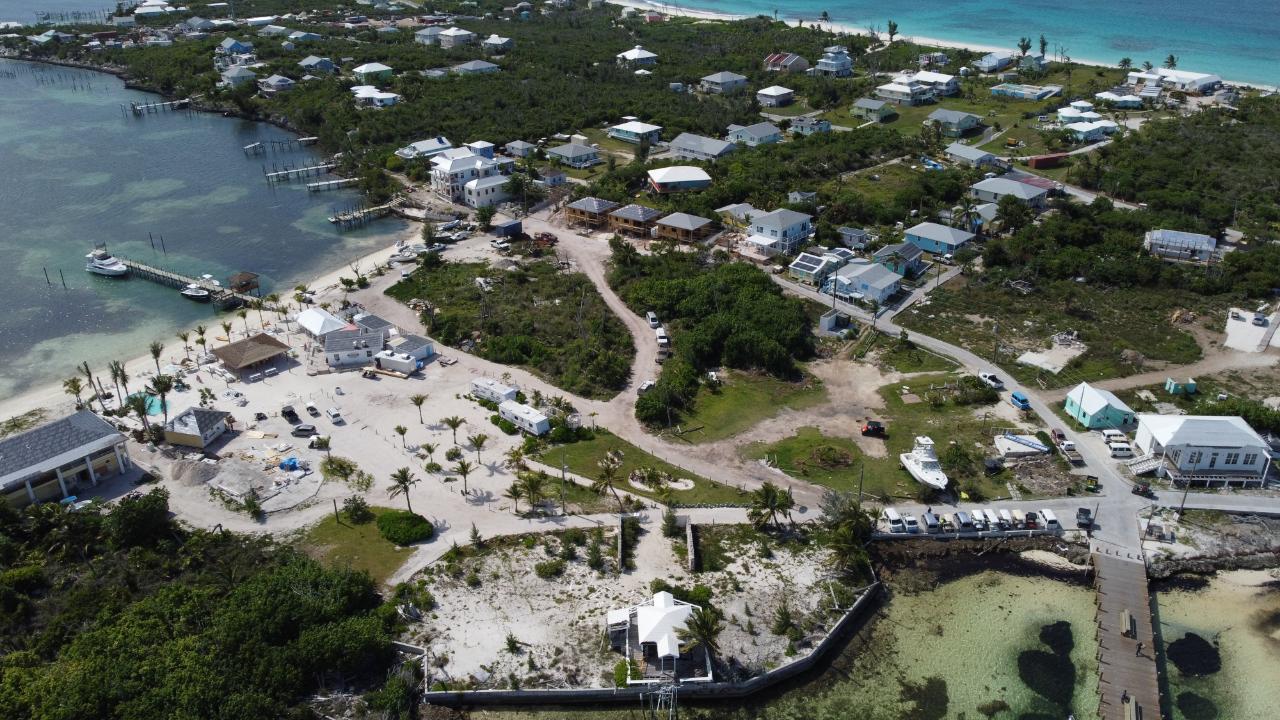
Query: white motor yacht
{"x": 195, "y": 292}
{"x": 101, "y": 262}
{"x": 922, "y": 463}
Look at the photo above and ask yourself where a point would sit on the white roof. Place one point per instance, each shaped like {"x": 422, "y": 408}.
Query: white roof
{"x": 457, "y": 32}
{"x": 637, "y": 53}
{"x": 1092, "y": 399}
{"x": 1112, "y": 97}
{"x": 487, "y": 182}
{"x": 1082, "y": 105}
{"x": 895, "y": 87}
{"x": 967, "y": 152}
{"x": 1186, "y": 76}
{"x": 928, "y": 76}
{"x": 1005, "y": 186}
{"x": 637, "y": 127}
{"x": 660, "y": 622}
{"x": 775, "y": 91}
{"x": 940, "y": 233}
{"x": 1201, "y": 431}
{"x": 873, "y": 274}
{"x": 524, "y": 412}
{"x": 679, "y": 173}
{"x": 371, "y": 68}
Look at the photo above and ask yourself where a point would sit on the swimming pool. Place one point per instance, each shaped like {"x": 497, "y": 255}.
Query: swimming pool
{"x": 154, "y": 406}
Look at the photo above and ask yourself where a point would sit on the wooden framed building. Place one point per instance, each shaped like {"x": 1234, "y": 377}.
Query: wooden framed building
{"x": 683, "y": 227}
{"x": 634, "y": 219}
{"x": 589, "y": 211}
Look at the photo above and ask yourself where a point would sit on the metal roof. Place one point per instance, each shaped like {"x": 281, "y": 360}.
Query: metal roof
{"x": 572, "y": 150}
{"x": 1005, "y": 186}
{"x": 1201, "y": 431}
{"x": 196, "y": 420}
{"x": 684, "y": 221}
{"x": 724, "y": 76}
{"x": 868, "y": 103}
{"x": 24, "y": 450}
{"x": 593, "y": 205}
{"x": 679, "y": 174}
{"x": 638, "y": 213}
{"x": 1182, "y": 239}
{"x": 781, "y": 218}
{"x": 940, "y": 233}
{"x": 944, "y": 115}
{"x": 701, "y": 144}
{"x": 968, "y": 152}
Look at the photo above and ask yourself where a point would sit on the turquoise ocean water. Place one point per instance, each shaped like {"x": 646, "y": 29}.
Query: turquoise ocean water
{"x": 75, "y": 171}
{"x": 1236, "y": 39}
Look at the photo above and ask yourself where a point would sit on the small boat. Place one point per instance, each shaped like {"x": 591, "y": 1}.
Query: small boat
{"x": 195, "y": 292}
{"x": 922, "y": 463}
{"x": 100, "y": 262}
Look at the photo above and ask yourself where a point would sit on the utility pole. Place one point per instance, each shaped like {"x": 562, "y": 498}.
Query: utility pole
{"x": 563, "y": 479}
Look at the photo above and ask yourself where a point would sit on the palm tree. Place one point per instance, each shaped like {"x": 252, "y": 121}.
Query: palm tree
{"x": 477, "y": 441}
{"x": 72, "y": 386}
{"x": 243, "y": 314}
{"x": 968, "y": 211}
{"x": 257, "y": 305}
{"x": 88, "y": 373}
{"x": 161, "y": 386}
{"x": 156, "y": 348}
{"x": 608, "y": 475}
{"x": 321, "y": 442}
{"x": 138, "y": 404}
{"x": 184, "y": 336}
{"x": 116, "y": 369}
{"x": 402, "y": 481}
{"x": 430, "y": 449}
{"x": 226, "y": 330}
{"x": 1024, "y": 45}
{"x": 1125, "y": 63}
{"x": 702, "y": 629}
{"x": 893, "y": 30}
{"x": 417, "y": 401}
{"x": 1171, "y": 62}
{"x": 535, "y": 488}
{"x": 453, "y": 422}
{"x": 514, "y": 494}
{"x": 463, "y": 468}
{"x": 848, "y": 549}
{"x": 514, "y": 459}
{"x": 401, "y": 430}
{"x": 768, "y": 503}
{"x": 1146, "y": 65}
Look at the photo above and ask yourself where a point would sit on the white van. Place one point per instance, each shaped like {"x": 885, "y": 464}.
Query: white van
{"x": 661, "y": 334}
{"x": 912, "y": 525}
{"x": 1006, "y": 519}
{"x": 1110, "y": 435}
{"x": 894, "y": 520}
{"x": 652, "y": 317}
{"x": 1050, "y": 520}
{"x": 993, "y": 520}
{"x": 1120, "y": 449}
{"x": 1019, "y": 518}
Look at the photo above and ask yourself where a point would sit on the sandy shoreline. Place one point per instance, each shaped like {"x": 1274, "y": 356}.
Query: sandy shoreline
{"x": 854, "y": 30}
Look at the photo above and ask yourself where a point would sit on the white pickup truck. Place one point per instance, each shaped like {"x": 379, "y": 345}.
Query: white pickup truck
{"x": 991, "y": 379}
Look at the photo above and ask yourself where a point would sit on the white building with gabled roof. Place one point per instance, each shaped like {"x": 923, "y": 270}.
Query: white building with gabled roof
{"x": 649, "y": 633}
{"x": 1207, "y": 450}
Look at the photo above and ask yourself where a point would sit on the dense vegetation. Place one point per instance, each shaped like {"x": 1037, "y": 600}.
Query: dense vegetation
{"x": 124, "y": 613}
{"x": 764, "y": 175}
{"x": 535, "y": 316}
{"x": 719, "y": 314}
{"x": 1214, "y": 167}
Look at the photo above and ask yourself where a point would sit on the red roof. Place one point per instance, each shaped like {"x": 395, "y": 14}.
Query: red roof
{"x": 1042, "y": 183}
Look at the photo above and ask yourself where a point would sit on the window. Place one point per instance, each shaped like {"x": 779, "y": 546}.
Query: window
{"x": 1251, "y": 458}
{"x": 1232, "y": 459}
{"x": 1213, "y": 460}
{"x": 1177, "y": 454}
{"x": 1194, "y": 457}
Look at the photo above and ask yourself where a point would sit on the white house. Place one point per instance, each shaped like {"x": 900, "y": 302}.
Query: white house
{"x": 452, "y": 169}
{"x": 863, "y": 281}
{"x": 395, "y": 361}
{"x": 575, "y": 155}
{"x": 761, "y": 133}
{"x": 492, "y": 390}
{"x": 429, "y": 35}
{"x": 1090, "y": 131}
{"x": 425, "y": 149}
{"x": 962, "y": 154}
{"x": 370, "y": 96}
{"x": 655, "y": 627}
{"x": 196, "y": 427}
{"x": 941, "y": 84}
{"x": 835, "y": 62}
{"x": 775, "y": 96}
{"x": 1178, "y": 245}
{"x": 786, "y": 228}
{"x": 276, "y": 84}
{"x": 993, "y": 189}
{"x": 485, "y": 191}
{"x": 1215, "y": 451}
{"x": 238, "y": 75}
{"x": 496, "y": 44}
{"x": 905, "y": 93}
{"x": 456, "y": 37}
{"x": 1184, "y": 80}
{"x": 698, "y": 147}
{"x": 524, "y": 417}
{"x": 1122, "y": 101}
{"x": 723, "y": 82}
{"x": 637, "y": 56}
{"x": 352, "y": 348}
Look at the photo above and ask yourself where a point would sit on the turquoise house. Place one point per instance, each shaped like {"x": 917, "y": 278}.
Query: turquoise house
{"x": 1097, "y": 409}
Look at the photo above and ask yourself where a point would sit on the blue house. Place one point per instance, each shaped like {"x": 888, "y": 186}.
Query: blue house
{"x": 636, "y": 132}
{"x": 1095, "y": 408}
{"x": 937, "y": 239}
{"x": 903, "y": 258}
{"x": 994, "y": 62}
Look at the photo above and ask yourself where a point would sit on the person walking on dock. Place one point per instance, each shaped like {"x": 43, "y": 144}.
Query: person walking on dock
{"x": 1139, "y": 649}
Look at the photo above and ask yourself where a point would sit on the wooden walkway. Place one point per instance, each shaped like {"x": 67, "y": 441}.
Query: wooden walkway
{"x": 221, "y": 297}
{"x": 1128, "y": 683}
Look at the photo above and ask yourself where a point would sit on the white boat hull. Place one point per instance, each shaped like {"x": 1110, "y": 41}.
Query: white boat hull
{"x": 110, "y": 271}
{"x": 935, "y": 479}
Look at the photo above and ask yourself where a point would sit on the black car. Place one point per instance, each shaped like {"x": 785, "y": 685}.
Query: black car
{"x": 1084, "y": 518}
{"x": 288, "y": 413}
{"x": 304, "y": 431}
{"x": 873, "y": 428}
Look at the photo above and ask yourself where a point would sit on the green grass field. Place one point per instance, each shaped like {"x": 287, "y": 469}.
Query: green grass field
{"x": 583, "y": 458}
{"x": 838, "y": 463}
{"x": 359, "y": 547}
{"x": 893, "y": 179}
{"x": 745, "y": 399}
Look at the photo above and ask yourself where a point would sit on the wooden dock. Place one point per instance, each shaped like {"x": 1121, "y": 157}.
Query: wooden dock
{"x": 1128, "y": 677}
{"x": 361, "y": 215}
{"x": 331, "y": 184}
{"x": 294, "y": 173}
{"x": 149, "y": 108}
{"x": 221, "y": 297}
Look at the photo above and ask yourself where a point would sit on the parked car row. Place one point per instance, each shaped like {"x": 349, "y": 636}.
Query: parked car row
{"x": 1117, "y": 443}
{"x": 664, "y": 341}
{"x": 984, "y": 520}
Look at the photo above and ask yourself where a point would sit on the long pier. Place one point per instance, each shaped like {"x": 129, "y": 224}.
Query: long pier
{"x": 294, "y": 173}
{"x": 361, "y": 215}
{"x": 148, "y": 108}
{"x": 221, "y": 297}
{"x": 1128, "y": 678}
{"x": 331, "y": 184}
{"x": 258, "y": 148}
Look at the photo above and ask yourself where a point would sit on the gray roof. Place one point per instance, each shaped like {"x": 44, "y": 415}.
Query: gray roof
{"x": 239, "y": 71}
{"x": 34, "y": 446}
{"x": 868, "y": 103}
{"x": 954, "y": 117}
{"x": 684, "y": 221}
{"x": 702, "y": 144}
{"x": 724, "y": 76}
{"x": 409, "y": 343}
{"x": 571, "y": 150}
{"x": 196, "y": 420}
{"x": 876, "y": 276}
{"x": 1182, "y": 239}
{"x": 1005, "y": 186}
{"x": 904, "y": 250}
{"x": 312, "y": 61}
{"x": 639, "y": 213}
{"x": 968, "y": 152}
{"x": 371, "y": 322}
{"x": 475, "y": 65}
{"x": 940, "y": 233}
{"x": 340, "y": 340}
{"x": 781, "y": 218}
{"x": 852, "y": 231}
{"x": 760, "y": 129}
{"x": 519, "y": 145}
{"x": 593, "y": 205}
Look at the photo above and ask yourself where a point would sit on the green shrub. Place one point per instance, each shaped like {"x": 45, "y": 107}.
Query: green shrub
{"x": 670, "y": 527}
{"x": 698, "y": 595}
{"x": 549, "y": 569}
{"x": 453, "y": 454}
{"x": 356, "y": 508}
{"x": 404, "y": 528}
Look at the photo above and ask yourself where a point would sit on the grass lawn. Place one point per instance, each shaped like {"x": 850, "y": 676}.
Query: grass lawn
{"x": 583, "y": 458}
{"x": 908, "y": 358}
{"x": 359, "y": 547}
{"x": 795, "y": 109}
{"x": 893, "y": 179}
{"x": 587, "y": 173}
{"x": 838, "y": 462}
{"x": 745, "y": 399}
{"x": 1108, "y": 320}
{"x": 1032, "y": 143}
{"x": 625, "y": 150}
{"x": 551, "y": 322}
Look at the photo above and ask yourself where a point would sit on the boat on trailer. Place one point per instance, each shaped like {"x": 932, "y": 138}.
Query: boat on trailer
{"x": 922, "y": 463}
